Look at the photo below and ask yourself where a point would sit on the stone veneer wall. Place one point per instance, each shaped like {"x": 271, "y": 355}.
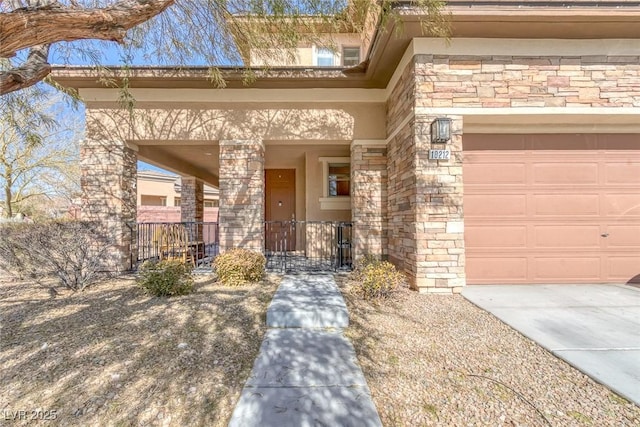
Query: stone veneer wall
{"x": 108, "y": 184}
{"x": 369, "y": 200}
{"x": 425, "y": 216}
{"x": 513, "y": 81}
{"x": 241, "y": 210}
{"x": 192, "y": 203}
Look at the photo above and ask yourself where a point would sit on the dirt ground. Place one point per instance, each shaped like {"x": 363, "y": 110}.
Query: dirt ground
{"x": 112, "y": 355}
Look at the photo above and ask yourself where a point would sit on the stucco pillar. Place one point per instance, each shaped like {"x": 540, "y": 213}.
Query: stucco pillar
{"x": 438, "y": 209}
{"x": 369, "y": 199}
{"x": 241, "y": 212}
{"x": 108, "y": 184}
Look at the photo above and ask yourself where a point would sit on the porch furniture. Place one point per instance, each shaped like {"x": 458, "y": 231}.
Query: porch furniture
{"x": 173, "y": 242}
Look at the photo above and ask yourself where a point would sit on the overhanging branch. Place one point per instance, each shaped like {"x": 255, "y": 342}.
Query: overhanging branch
{"x": 33, "y": 26}
{"x": 34, "y": 69}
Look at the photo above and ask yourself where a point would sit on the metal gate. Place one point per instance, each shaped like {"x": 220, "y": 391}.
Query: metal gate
{"x": 293, "y": 246}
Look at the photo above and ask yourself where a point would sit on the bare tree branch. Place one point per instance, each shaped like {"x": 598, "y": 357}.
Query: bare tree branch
{"x": 32, "y": 26}
{"x": 34, "y": 69}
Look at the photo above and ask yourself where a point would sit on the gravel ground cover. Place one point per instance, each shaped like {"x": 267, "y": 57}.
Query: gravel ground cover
{"x": 433, "y": 360}
{"x": 112, "y": 355}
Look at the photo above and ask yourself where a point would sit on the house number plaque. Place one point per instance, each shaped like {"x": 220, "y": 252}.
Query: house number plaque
{"x": 439, "y": 154}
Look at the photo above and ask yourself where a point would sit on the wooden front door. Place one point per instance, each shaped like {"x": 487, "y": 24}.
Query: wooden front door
{"x": 280, "y": 208}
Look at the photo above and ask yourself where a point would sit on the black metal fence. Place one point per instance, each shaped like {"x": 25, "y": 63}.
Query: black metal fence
{"x": 292, "y": 246}
{"x": 195, "y": 241}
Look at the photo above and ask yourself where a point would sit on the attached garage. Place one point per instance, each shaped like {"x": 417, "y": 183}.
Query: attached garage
{"x": 560, "y": 208}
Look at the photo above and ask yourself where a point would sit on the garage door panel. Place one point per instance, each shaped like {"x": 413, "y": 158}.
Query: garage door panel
{"x": 563, "y": 173}
{"x": 552, "y": 208}
{"x": 623, "y": 236}
{"x": 574, "y": 205}
{"x": 623, "y": 267}
{"x": 497, "y": 173}
{"x": 497, "y": 270}
{"x": 497, "y": 236}
{"x": 562, "y": 267}
{"x": 623, "y": 173}
{"x": 621, "y": 205}
{"x": 567, "y": 236}
{"x": 490, "y": 205}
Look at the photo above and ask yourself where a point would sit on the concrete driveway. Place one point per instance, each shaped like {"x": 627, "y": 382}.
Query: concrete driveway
{"x": 595, "y": 328}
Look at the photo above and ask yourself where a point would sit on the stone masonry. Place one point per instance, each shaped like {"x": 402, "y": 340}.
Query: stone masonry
{"x": 425, "y": 217}
{"x": 369, "y": 200}
{"x": 108, "y": 183}
{"x": 191, "y": 199}
{"x": 512, "y": 81}
{"x": 241, "y": 214}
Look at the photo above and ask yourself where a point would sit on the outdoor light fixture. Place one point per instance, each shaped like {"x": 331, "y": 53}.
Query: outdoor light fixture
{"x": 440, "y": 130}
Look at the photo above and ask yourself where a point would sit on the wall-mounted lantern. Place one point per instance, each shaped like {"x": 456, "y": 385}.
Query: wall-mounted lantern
{"x": 440, "y": 130}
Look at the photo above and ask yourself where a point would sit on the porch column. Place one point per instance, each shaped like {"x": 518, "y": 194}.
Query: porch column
{"x": 108, "y": 184}
{"x": 192, "y": 204}
{"x": 369, "y": 199}
{"x": 438, "y": 211}
{"x": 241, "y": 212}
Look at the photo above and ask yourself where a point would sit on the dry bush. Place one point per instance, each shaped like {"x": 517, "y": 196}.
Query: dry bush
{"x": 70, "y": 251}
{"x": 165, "y": 278}
{"x": 238, "y": 267}
{"x": 374, "y": 279}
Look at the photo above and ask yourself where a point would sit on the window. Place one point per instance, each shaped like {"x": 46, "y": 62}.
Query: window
{"x": 339, "y": 179}
{"x": 177, "y": 201}
{"x": 146, "y": 200}
{"x": 336, "y": 183}
{"x": 210, "y": 203}
{"x": 350, "y": 56}
{"x": 325, "y": 57}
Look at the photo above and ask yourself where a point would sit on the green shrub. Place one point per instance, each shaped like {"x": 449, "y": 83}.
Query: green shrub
{"x": 376, "y": 279}
{"x": 238, "y": 267}
{"x": 165, "y": 278}
{"x": 70, "y": 251}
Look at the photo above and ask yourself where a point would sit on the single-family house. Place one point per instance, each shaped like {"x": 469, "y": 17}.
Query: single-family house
{"x": 507, "y": 153}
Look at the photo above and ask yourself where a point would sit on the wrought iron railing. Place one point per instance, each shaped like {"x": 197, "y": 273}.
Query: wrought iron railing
{"x": 197, "y": 241}
{"x": 290, "y": 246}
{"x": 308, "y": 245}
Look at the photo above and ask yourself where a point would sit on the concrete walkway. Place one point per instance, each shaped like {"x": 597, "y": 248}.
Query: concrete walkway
{"x": 595, "y": 328}
{"x": 306, "y": 373}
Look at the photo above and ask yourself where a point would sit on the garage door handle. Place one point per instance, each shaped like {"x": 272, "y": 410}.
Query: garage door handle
{"x": 604, "y": 235}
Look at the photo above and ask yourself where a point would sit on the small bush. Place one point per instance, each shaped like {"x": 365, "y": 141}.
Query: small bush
{"x": 376, "y": 279}
{"x": 71, "y": 251}
{"x": 238, "y": 267}
{"x": 165, "y": 278}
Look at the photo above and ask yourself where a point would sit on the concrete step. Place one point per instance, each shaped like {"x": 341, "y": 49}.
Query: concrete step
{"x": 308, "y": 301}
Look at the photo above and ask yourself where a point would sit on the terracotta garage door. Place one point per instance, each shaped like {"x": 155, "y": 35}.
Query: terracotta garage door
{"x": 552, "y": 208}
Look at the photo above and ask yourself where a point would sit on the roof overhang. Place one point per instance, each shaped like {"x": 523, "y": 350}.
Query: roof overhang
{"x": 469, "y": 19}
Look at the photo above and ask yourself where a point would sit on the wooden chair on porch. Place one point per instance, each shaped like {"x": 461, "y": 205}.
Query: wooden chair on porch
{"x": 172, "y": 242}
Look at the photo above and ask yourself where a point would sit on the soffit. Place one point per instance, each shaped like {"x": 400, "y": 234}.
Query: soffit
{"x": 470, "y": 19}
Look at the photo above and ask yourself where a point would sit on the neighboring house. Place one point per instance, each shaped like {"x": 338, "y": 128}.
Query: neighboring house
{"x": 158, "y": 198}
{"x": 537, "y": 182}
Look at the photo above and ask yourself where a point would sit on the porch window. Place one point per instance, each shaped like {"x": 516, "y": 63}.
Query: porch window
{"x": 339, "y": 179}
{"x": 336, "y": 183}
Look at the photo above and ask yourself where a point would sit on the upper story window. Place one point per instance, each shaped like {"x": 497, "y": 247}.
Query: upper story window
{"x": 350, "y": 56}
{"x": 177, "y": 201}
{"x": 210, "y": 203}
{"x": 325, "y": 57}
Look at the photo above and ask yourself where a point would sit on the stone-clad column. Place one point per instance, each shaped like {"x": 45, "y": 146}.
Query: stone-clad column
{"x": 108, "y": 184}
{"x": 192, "y": 204}
{"x": 241, "y": 214}
{"x": 438, "y": 209}
{"x": 369, "y": 199}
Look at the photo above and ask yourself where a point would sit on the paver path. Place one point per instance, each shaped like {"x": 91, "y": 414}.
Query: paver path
{"x": 306, "y": 373}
